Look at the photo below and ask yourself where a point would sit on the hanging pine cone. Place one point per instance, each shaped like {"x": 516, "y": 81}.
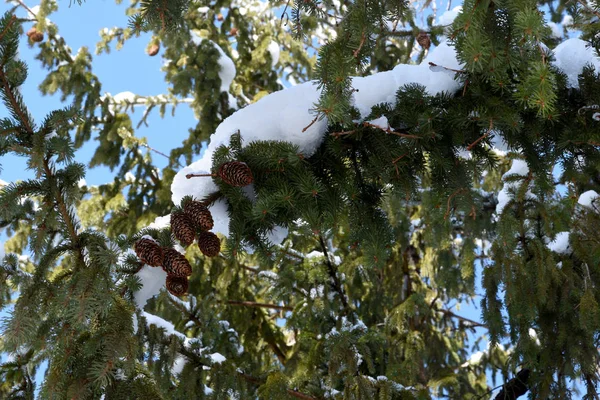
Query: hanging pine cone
{"x": 176, "y": 264}
{"x": 236, "y": 173}
{"x": 199, "y": 215}
{"x": 34, "y": 35}
{"x": 153, "y": 49}
{"x": 149, "y": 252}
{"x": 183, "y": 228}
{"x": 209, "y": 244}
{"x": 176, "y": 285}
{"x": 424, "y": 40}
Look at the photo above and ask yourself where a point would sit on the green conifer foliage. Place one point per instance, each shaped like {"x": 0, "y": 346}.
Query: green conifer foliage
{"x": 386, "y": 226}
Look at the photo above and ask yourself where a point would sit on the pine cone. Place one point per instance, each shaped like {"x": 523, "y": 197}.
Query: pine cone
{"x": 199, "y": 215}
{"x": 176, "y": 264}
{"x": 35, "y": 36}
{"x": 236, "y": 173}
{"x": 149, "y": 252}
{"x": 153, "y": 49}
{"x": 183, "y": 228}
{"x": 209, "y": 244}
{"x": 424, "y": 40}
{"x": 176, "y": 285}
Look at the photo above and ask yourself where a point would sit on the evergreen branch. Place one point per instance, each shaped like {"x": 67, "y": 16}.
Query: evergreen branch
{"x": 258, "y": 305}
{"x": 479, "y": 139}
{"x": 13, "y": 18}
{"x": 473, "y": 324}
{"x": 311, "y": 123}
{"x": 390, "y": 131}
{"x": 337, "y": 286}
{"x": 516, "y": 387}
{"x": 13, "y": 99}
{"x": 293, "y": 393}
{"x": 583, "y": 3}
{"x": 27, "y": 8}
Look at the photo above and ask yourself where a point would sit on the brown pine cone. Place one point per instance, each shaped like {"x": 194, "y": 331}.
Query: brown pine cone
{"x": 209, "y": 244}
{"x": 236, "y": 173}
{"x": 176, "y": 264}
{"x": 199, "y": 215}
{"x": 149, "y": 252}
{"x": 35, "y": 36}
{"x": 153, "y": 49}
{"x": 183, "y": 228}
{"x": 176, "y": 285}
{"x": 424, "y": 40}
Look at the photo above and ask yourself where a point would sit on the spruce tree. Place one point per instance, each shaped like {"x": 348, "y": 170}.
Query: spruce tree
{"x": 318, "y": 239}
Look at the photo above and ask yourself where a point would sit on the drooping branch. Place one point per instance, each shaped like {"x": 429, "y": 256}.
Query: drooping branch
{"x": 335, "y": 282}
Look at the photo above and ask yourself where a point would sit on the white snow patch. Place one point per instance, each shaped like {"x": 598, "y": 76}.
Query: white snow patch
{"x": 152, "y": 279}
{"x": 556, "y": 30}
{"x": 161, "y": 222}
{"x": 587, "y": 198}
{"x": 448, "y": 17}
{"x": 274, "y": 50}
{"x": 518, "y": 167}
{"x": 162, "y": 323}
{"x": 560, "y": 244}
{"x": 228, "y": 71}
{"x": 284, "y": 114}
{"x": 571, "y": 56}
{"x": 217, "y": 358}
{"x": 178, "y": 364}
{"x": 381, "y": 122}
{"x": 124, "y": 97}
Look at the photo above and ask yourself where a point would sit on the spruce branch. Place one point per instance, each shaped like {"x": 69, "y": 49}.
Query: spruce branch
{"x": 258, "y": 305}
{"x": 516, "y": 387}
{"x": 335, "y": 282}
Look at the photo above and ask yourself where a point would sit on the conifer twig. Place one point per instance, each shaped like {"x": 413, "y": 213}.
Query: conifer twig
{"x": 190, "y": 176}
{"x": 311, "y": 123}
{"x": 334, "y": 278}
{"x": 479, "y": 139}
{"x": 258, "y": 305}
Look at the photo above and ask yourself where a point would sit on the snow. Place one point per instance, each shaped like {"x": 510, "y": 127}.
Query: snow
{"x": 268, "y": 275}
{"x": 178, "y": 364}
{"x": 518, "y": 167}
{"x": 448, "y": 17}
{"x": 560, "y": 244}
{"x": 273, "y": 49}
{"x": 161, "y": 323}
{"x": 217, "y": 358}
{"x": 152, "y": 279}
{"x": 381, "y": 122}
{"x": 587, "y": 198}
{"x": 284, "y": 114}
{"x": 571, "y": 56}
{"x": 228, "y": 71}
{"x": 556, "y": 30}
{"x": 161, "y": 222}
{"x": 124, "y": 97}
{"x": 81, "y": 183}
{"x": 134, "y": 322}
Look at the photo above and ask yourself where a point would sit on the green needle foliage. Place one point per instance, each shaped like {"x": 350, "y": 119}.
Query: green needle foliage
{"x": 386, "y": 227}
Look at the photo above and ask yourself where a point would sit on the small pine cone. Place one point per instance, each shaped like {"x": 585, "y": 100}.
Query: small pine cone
{"x": 176, "y": 264}
{"x": 236, "y": 173}
{"x": 177, "y": 285}
{"x": 209, "y": 244}
{"x": 35, "y": 35}
{"x": 220, "y": 17}
{"x": 183, "y": 228}
{"x": 424, "y": 40}
{"x": 153, "y": 49}
{"x": 199, "y": 215}
{"x": 233, "y": 32}
{"x": 149, "y": 252}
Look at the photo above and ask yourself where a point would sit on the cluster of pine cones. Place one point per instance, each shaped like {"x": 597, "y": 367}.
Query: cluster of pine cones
{"x": 192, "y": 221}
{"x": 173, "y": 262}
{"x": 195, "y": 217}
